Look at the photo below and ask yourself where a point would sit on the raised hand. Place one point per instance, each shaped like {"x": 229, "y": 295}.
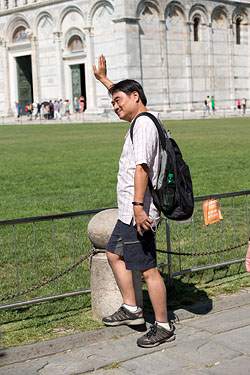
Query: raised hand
{"x": 100, "y": 72}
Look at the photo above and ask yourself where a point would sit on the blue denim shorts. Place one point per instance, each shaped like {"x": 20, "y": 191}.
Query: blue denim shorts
{"x": 139, "y": 252}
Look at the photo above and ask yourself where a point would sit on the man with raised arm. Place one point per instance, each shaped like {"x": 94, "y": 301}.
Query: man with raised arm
{"x": 132, "y": 243}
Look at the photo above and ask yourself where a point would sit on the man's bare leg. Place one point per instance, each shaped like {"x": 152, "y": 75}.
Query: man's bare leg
{"x": 157, "y": 293}
{"x": 123, "y": 278}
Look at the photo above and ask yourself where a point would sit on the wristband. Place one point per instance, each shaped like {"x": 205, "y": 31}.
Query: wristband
{"x": 137, "y": 203}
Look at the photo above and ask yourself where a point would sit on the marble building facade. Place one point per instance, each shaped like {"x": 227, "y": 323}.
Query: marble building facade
{"x": 181, "y": 51}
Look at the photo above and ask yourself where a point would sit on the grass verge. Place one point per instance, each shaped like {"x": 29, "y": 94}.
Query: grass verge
{"x": 50, "y": 169}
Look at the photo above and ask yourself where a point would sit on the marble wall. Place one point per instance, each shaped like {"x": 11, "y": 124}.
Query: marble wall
{"x": 181, "y": 51}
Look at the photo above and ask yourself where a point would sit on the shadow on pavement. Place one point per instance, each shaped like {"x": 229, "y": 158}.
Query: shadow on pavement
{"x": 182, "y": 296}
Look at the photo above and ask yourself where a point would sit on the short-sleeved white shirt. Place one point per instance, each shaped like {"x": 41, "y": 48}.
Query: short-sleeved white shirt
{"x": 145, "y": 149}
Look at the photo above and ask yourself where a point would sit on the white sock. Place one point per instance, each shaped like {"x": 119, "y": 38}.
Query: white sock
{"x": 130, "y": 308}
{"x": 164, "y": 325}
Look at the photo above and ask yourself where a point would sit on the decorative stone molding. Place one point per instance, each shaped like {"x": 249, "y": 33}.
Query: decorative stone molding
{"x": 126, "y": 20}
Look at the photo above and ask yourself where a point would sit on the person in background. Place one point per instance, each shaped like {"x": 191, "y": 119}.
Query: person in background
{"x": 213, "y": 104}
{"x": 77, "y": 109}
{"x": 15, "y": 111}
{"x": 244, "y": 106}
{"x": 207, "y": 105}
{"x": 82, "y": 105}
{"x": 29, "y": 112}
{"x": 67, "y": 109}
{"x": 61, "y": 110}
{"x": 19, "y": 111}
{"x": 51, "y": 110}
{"x": 42, "y": 111}
{"x": 34, "y": 107}
{"x": 75, "y": 103}
{"x": 239, "y": 105}
{"x": 56, "y": 110}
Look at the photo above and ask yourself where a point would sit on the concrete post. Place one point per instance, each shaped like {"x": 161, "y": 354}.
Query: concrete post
{"x": 105, "y": 294}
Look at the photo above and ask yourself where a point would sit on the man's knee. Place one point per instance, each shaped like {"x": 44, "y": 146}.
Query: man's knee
{"x": 150, "y": 273}
{"x": 112, "y": 258}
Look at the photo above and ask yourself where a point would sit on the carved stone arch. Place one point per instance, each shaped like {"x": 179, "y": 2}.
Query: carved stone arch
{"x": 198, "y": 10}
{"x": 98, "y": 4}
{"x": 144, "y": 6}
{"x": 40, "y": 16}
{"x": 239, "y": 20}
{"x": 74, "y": 31}
{"x": 241, "y": 13}
{"x": 174, "y": 6}
{"x": 218, "y": 13}
{"x": 14, "y": 23}
{"x": 65, "y": 12}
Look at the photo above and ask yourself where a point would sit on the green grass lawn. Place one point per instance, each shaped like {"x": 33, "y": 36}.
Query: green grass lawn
{"x": 58, "y": 168}
{"x": 49, "y": 169}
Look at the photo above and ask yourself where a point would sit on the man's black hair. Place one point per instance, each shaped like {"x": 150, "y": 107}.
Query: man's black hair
{"x": 128, "y": 86}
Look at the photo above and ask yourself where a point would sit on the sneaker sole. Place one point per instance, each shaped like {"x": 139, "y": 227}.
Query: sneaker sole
{"x": 172, "y": 338}
{"x": 128, "y": 322}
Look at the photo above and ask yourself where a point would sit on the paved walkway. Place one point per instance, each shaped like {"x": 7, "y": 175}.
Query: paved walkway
{"x": 212, "y": 339}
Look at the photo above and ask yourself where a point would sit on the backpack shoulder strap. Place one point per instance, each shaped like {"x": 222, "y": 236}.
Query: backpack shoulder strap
{"x": 162, "y": 136}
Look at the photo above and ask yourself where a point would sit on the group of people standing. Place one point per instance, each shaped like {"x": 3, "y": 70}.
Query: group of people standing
{"x": 210, "y": 104}
{"x": 49, "y": 110}
{"x": 242, "y": 105}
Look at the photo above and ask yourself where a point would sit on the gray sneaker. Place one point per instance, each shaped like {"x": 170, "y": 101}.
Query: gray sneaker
{"x": 124, "y": 316}
{"x": 156, "y": 336}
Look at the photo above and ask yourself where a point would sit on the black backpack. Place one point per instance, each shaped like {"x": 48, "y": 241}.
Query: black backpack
{"x": 171, "y": 163}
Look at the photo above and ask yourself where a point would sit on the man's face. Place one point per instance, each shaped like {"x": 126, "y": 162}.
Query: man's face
{"x": 125, "y": 106}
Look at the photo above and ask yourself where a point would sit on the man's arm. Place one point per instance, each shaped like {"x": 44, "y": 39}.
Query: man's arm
{"x": 100, "y": 72}
{"x": 141, "y": 183}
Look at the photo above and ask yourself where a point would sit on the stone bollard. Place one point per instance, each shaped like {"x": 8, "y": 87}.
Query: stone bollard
{"x": 105, "y": 294}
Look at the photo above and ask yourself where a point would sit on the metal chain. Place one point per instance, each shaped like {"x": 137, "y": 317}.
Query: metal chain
{"x": 93, "y": 252}
{"x": 31, "y": 289}
{"x": 205, "y": 253}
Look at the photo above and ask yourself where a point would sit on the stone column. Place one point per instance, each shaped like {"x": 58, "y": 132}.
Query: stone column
{"x": 230, "y": 43}
{"x": 90, "y": 79}
{"x": 6, "y": 78}
{"x": 165, "y": 75}
{"x": 211, "y": 72}
{"x": 189, "y": 67}
{"x": 59, "y": 61}
{"x": 127, "y": 32}
{"x": 35, "y": 70}
{"x": 105, "y": 295}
